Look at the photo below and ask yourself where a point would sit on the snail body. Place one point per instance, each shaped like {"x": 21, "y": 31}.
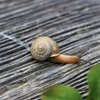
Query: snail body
{"x": 44, "y": 48}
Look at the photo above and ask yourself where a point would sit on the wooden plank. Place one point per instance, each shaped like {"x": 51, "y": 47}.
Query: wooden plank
{"x": 74, "y": 24}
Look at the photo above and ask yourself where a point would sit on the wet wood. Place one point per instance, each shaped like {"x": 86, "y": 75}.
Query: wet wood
{"x": 74, "y": 24}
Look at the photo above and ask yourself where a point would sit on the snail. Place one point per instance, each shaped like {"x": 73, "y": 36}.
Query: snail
{"x": 44, "y": 48}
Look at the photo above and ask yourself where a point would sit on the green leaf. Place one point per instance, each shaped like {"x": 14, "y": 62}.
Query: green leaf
{"x": 94, "y": 83}
{"x": 60, "y": 92}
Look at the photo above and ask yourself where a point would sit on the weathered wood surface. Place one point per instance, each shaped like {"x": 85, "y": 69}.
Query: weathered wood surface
{"x": 74, "y": 24}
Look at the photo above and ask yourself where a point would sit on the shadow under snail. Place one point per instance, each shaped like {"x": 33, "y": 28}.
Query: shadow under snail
{"x": 44, "y": 48}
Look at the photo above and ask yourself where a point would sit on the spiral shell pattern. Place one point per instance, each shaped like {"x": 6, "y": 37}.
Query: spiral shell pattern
{"x": 43, "y": 48}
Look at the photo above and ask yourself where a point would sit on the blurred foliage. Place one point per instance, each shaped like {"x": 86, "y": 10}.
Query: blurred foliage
{"x": 60, "y": 92}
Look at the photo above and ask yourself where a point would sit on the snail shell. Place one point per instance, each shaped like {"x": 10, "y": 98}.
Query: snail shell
{"x": 43, "y": 48}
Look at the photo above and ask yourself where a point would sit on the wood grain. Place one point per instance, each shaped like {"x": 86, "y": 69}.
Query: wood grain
{"x": 74, "y": 24}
